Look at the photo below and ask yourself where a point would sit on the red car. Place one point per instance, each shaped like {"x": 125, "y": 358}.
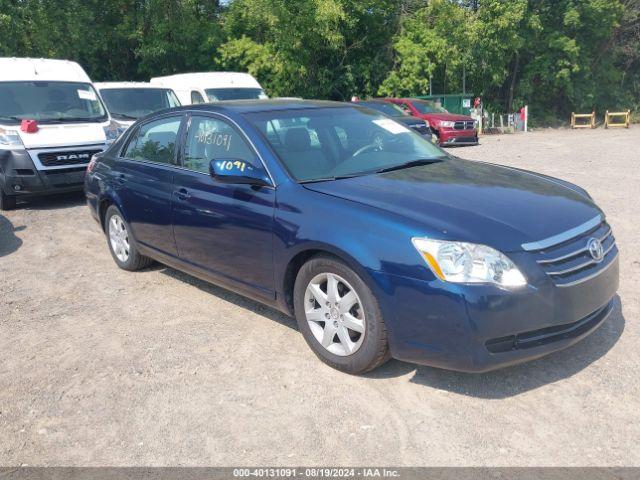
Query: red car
{"x": 450, "y": 128}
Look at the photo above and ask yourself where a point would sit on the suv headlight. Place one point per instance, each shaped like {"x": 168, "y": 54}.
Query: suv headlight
{"x": 461, "y": 262}
{"x": 447, "y": 124}
{"x": 10, "y": 139}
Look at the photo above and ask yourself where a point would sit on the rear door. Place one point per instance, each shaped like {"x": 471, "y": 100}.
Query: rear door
{"x": 144, "y": 179}
{"x": 224, "y": 229}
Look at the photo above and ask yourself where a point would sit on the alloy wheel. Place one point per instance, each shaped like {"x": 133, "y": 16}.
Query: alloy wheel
{"x": 335, "y": 314}
{"x": 119, "y": 238}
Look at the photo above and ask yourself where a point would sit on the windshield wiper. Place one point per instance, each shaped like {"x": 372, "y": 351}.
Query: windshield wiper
{"x": 124, "y": 116}
{"x": 328, "y": 179}
{"x": 412, "y": 163}
{"x": 11, "y": 118}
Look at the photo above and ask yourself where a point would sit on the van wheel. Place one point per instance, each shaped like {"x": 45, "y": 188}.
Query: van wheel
{"x": 7, "y": 202}
{"x": 121, "y": 244}
{"x": 339, "y": 316}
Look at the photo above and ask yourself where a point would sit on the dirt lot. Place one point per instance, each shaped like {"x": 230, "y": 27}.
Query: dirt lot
{"x": 103, "y": 367}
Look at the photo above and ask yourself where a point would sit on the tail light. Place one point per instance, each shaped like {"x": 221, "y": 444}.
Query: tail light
{"x": 92, "y": 164}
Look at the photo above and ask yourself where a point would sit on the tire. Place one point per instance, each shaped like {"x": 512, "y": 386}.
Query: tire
{"x": 7, "y": 202}
{"x": 121, "y": 244}
{"x": 366, "y": 347}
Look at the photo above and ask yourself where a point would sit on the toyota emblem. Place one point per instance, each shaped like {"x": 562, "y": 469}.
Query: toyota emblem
{"x": 596, "y": 250}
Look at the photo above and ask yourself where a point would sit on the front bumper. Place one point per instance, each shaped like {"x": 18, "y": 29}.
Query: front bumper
{"x": 21, "y": 176}
{"x": 451, "y": 137}
{"x": 479, "y": 328}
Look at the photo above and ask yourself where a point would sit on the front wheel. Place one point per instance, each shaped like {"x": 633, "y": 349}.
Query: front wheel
{"x": 339, "y": 316}
{"x": 121, "y": 244}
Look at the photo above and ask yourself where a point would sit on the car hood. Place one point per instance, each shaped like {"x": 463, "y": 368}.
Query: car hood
{"x": 61, "y": 135}
{"x": 471, "y": 201}
{"x": 447, "y": 117}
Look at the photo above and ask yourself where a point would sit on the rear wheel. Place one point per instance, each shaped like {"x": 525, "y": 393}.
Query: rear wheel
{"x": 339, "y": 317}
{"x": 7, "y": 202}
{"x": 121, "y": 243}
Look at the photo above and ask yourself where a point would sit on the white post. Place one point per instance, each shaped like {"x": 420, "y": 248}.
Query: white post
{"x": 526, "y": 117}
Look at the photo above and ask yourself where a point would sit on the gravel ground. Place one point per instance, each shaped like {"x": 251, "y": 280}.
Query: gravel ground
{"x": 103, "y": 367}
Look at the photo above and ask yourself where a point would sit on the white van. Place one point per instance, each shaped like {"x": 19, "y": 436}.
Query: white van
{"x": 52, "y": 122}
{"x": 192, "y": 88}
{"x": 129, "y": 101}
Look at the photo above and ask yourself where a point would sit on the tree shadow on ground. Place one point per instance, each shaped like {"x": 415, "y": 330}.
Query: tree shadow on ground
{"x": 9, "y": 242}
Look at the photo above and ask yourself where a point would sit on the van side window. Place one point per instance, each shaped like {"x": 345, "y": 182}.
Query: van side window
{"x": 196, "y": 97}
{"x": 155, "y": 141}
{"x": 213, "y": 139}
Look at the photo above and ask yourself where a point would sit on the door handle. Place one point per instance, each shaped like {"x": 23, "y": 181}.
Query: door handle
{"x": 121, "y": 179}
{"x": 182, "y": 194}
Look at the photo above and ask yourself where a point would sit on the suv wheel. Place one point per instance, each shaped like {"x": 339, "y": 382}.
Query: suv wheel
{"x": 339, "y": 317}
{"x": 121, "y": 243}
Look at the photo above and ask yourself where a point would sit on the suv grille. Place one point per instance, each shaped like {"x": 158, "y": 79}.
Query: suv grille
{"x": 69, "y": 157}
{"x": 570, "y": 262}
{"x": 465, "y": 125}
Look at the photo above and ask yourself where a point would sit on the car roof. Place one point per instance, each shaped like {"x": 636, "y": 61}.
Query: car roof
{"x": 270, "y": 105}
{"x": 208, "y": 80}
{"x": 109, "y": 85}
{"x": 41, "y": 69}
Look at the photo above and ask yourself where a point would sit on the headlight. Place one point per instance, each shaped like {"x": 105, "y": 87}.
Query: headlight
{"x": 447, "y": 124}
{"x": 461, "y": 262}
{"x": 10, "y": 139}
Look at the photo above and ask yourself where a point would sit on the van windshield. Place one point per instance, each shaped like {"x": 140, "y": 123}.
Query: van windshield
{"x": 218, "y": 94}
{"x": 134, "y": 103}
{"x": 50, "y": 102}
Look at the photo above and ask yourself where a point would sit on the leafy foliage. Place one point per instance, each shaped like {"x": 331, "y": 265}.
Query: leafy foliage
{"x": 555, "y": 55}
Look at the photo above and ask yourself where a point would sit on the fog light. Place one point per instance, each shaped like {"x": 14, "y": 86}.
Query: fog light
{"x": 17, "y": 188}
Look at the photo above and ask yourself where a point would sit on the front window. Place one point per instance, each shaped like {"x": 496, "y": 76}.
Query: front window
{"x": 218, "y": 94}
{"x": 324, "y": 143}
{"x": 425, "y": 106}
{"x": 155, "y": 141}
{"x": 210, "y": 139}
{"x": 50, "y": 102}
{"x": 134, "y": 103}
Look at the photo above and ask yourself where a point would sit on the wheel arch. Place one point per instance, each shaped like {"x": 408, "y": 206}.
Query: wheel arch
{"x": 301, "y": 255}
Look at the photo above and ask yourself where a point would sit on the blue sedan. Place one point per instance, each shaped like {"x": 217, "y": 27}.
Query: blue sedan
{"x": 379, "y": 243}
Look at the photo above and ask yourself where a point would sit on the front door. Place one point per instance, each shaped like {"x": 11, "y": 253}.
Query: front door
{"x": 145, "y": 182}
{"x": 225, "y": 229}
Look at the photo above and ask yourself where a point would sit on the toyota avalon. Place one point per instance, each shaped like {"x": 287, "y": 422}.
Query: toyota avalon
{"x": 379, "y": 250}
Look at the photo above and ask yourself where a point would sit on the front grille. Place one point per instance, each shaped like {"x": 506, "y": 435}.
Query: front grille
{"x": 421, "y": 129}
{"x": 570, "y": 262}
{"x": 464, "y": 125}
{"x": 543, "y": 336}
{"x": 69, "y": 157}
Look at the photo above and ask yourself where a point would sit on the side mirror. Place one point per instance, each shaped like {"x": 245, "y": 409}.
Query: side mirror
{"x": 238, "y": 172}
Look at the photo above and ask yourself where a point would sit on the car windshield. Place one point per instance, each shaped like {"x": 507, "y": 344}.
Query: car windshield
{"x": 325, "y": 143}
{"x": 134, "y": 103}
{"x": 49, "y": 102}
{"x": 218, "y": 94}
{"x": 425, "y": 106}
{"x": 386, "y": 108}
